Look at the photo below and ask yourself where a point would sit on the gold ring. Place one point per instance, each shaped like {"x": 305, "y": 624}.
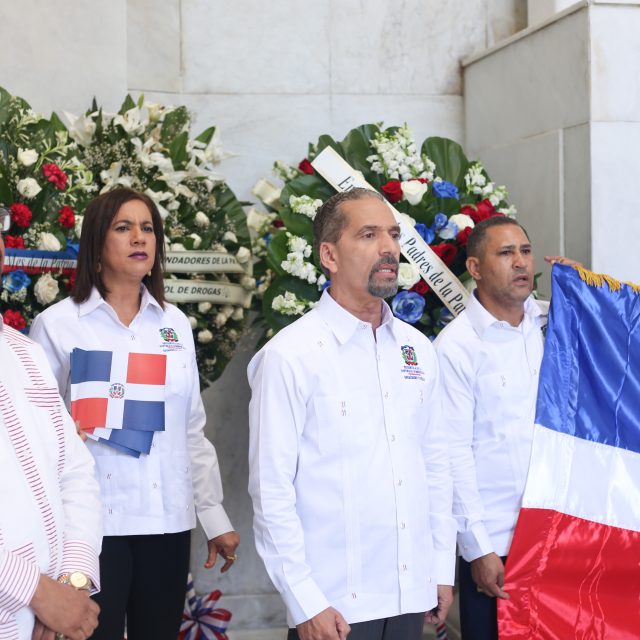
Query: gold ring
{"x": 233, "y": 557}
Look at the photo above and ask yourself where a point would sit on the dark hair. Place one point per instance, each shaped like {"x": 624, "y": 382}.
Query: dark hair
{"x": 98, "y": 217}
{"x": 479, "y": 233}
{"x": 330, "y": 221}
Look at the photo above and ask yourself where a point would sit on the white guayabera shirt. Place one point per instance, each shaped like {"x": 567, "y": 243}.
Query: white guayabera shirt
{"x": 490, "y": 376}
{"x": 349, "y": 471}
{"x": 155, "y": 493}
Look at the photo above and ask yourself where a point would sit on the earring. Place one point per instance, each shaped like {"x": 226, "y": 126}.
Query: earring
{"x": 99, "y": 268}
{"x": 149, "y": 274}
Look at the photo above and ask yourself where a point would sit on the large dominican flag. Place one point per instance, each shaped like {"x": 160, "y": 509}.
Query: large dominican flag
{"x": 118, "y": 396}
{"x": 574, "y": 566}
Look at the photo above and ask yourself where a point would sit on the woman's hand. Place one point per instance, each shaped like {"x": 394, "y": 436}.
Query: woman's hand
{"x": 225, "y": 545}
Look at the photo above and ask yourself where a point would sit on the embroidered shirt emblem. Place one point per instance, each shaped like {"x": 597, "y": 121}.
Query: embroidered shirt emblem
{"x": 168, "y": 335}
{"x": 409, "y": 355}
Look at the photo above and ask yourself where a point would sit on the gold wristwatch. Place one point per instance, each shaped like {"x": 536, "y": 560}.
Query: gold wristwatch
{"x": 77, "y": 579}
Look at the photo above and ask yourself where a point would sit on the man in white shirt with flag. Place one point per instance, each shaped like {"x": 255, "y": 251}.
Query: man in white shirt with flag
{"x": 490, "y": 358}
{"x": 49, "y": 502}
{"x": 349, "y": 470}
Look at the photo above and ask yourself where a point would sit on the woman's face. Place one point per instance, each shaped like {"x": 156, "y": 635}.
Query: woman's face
{"x": 130, "y": 246}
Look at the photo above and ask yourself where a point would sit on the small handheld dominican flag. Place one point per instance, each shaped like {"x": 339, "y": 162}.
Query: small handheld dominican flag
{"x": 119, "y": 397}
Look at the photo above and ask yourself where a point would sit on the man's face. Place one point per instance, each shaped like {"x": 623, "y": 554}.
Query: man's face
{"x": 364, "y": 260}
{"x": 505, "y": 267}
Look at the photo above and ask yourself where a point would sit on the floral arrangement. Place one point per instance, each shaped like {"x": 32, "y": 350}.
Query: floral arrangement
{"x": 436, "y": 187}
{"x": 41, "y": 182}
{"x": 48, "y": 173}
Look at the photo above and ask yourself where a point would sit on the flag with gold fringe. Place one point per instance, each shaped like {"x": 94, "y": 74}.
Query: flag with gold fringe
{"x": 574, "y": 566}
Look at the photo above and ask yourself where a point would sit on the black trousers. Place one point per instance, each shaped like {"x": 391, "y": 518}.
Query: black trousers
{"x": 142, "y": 578}
{"x": 478, "y": 613}
{"x": 405, "y": 627}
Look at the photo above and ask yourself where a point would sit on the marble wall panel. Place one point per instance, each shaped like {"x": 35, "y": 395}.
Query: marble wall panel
{"x": 615, "y": 215}
{"x": 412, "y": 46}
{"x": 153, "y": 45}
{"x": 615, "y": 59}
{"x": 253, "y": 47}
{"x": 536, "y": 84}
{"x": 504, "y": 18}
{"x": 531, "y": 171}
{"x": 577, "y": 193}
{"x": 58, "y": 55}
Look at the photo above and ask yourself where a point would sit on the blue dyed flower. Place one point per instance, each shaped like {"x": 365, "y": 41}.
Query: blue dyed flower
{"x": 444, "y": 189}
{"x": 439, "y": 222}
{"x": 15, "y": 281}
{"x": 449, "y": 231}
{"x": 426, "y": 233}
{"x": 408, "y": 306}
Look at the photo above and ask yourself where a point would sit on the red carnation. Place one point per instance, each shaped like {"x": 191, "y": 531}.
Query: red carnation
{"x": 463, "y": 236}
{"x": 277, "y": 223}
{"x": 67, "y": 218}
{"x": 420, "y": 287}
{"x": 54, "y": 174}
{"x": 13, "y": 242}
{"x": 14, "y": 319}
{"x": 392, "y": 190}
{"x": 20, "y": 215}
{"x": 306, "y": 167}
{"x": 446, "y": 251}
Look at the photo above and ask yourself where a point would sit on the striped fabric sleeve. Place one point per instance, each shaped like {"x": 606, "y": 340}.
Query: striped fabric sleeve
{"x": 18, "y": 581}
{"x": 79, "y": 556}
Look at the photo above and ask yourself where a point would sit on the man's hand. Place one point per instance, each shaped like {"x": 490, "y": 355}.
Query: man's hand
{"x": 225, "y": 545}
{"x": 40, "y": 632}
{"x": 60, "y": 608}
{"x": 562, "y": 260}
{"x": 327, "y": 625}
{"x": 488, "y": 573}
{"x": 439, "y": 613}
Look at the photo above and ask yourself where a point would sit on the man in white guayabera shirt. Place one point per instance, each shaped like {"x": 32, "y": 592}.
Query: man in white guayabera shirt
{"x": 349, "y": 469}
{"x": 490, "y": 358}
{"x": 49, "y": 500}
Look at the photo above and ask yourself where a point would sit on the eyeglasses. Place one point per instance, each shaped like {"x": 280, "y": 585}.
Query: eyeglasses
{"x": 5, "y": 219}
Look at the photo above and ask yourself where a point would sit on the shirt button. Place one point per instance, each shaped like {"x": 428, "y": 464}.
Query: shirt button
{"x": 386, "y": 395}
{"x": 400, "y": 482}
{"x": 404, "y": 567}
{"x": 133, "y": 337}
{"x": 155, "y": 485}
{"x": 402, "y": 525}
{"x": 393, "y": 438}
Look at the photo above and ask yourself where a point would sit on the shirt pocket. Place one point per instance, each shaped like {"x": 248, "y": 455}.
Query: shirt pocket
{"x": 344, "y": 422}
{"x": 179, "y": 493}
{"x": 179, "y": 373}
{"x": 504, "y": 394}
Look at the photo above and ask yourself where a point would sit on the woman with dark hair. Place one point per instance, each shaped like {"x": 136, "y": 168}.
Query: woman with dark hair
{"x": 152, "y": 492}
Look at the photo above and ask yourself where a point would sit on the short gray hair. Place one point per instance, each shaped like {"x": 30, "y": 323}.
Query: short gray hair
{"x": 330, "y": 221}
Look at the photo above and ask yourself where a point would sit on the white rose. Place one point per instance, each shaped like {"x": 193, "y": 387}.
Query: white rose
{"x": 243, "y": 255}
{"x": 201, "y": 220}
{"x": 238, "y": 314}
{"x": 28, "y": 188}
{"x": 408, "y": 275}
{"x": 193, "y": 322}
{"x": 176, "y": 246}
{"x": 413, "y": 190}
{"x": 27, "y": 157}
{"x": 205, "y": 336}
{"x": 48, "y": 242}
{"x": 256, "y": 219}
{"x": 230, "y": 236}
{"x": 267, "y": 192}
{"x": 462, "y": 221}
{"x": 248, "y": 283}
{"x": 46, "y": 289}
{"x": 227, "y": 309}
{"x": 204, "y": 307}
{"x": 220, "y": 320}
{"x": 197, "y": 240}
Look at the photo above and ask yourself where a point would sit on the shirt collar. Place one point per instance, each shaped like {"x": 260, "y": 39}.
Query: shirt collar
{"x": 344, "y": 324}
{"x": 481, "y": 319}
{"x": 95, "y": 300}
